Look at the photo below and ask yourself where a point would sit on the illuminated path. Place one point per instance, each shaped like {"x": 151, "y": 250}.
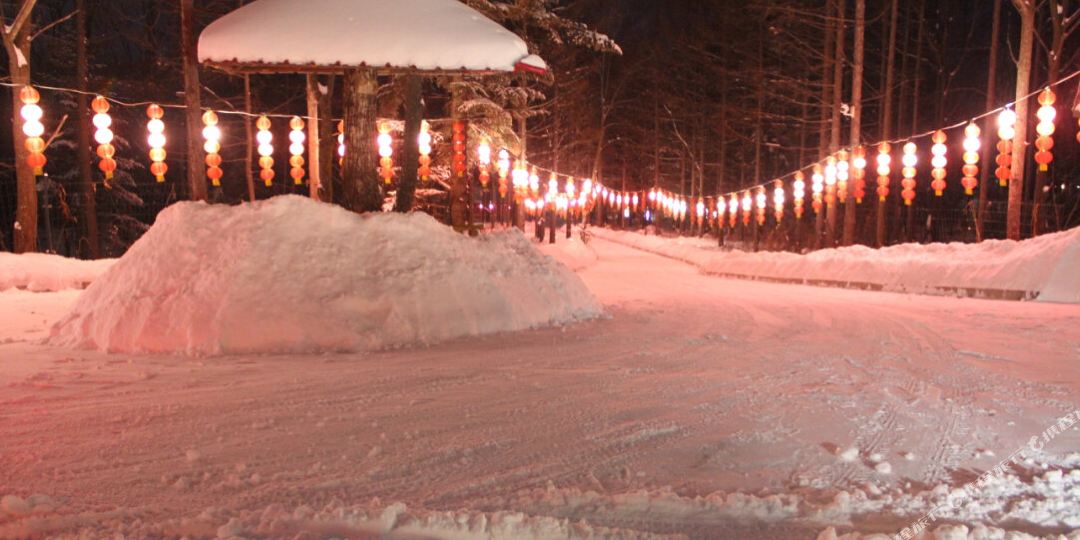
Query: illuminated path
{"x": 694, "y": 385}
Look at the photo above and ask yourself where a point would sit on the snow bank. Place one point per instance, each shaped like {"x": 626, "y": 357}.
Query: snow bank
{"x": 293, "y": 275}
{"x": 426, "y": 34}
{"x": 39, "y": 272}
{"x": 1043, "y": 268}
{"x": 574, "y": 253}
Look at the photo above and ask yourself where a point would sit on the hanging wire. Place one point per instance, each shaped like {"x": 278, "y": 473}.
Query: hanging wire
{"x": 597, "y": 182}
{"x": 810, "y": 166}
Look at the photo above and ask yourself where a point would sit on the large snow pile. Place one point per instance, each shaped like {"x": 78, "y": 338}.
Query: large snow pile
{"x": 426, "y": 34}
{"x": 291, "y": 275}
{"x": 40, "y": 272}
{"x": 1043, "y": 268}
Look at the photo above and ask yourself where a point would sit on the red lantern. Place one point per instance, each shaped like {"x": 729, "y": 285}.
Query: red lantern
{"x": 843, "y": 176}
{"x": 798, "y": 193}
{"x": 1045, "y": 142}
{"x": 156, "y": 139}
{"x": 386, "y": 153}
{"x": 778, "y": 200}
{"x": 972, "y": 145}
{"x": 212, "y": 146}
{"x": 459, "y": 164}
{"x": 884, "y": 168}
{"x": 341, "y": 143}
{"x": 1006, "y": 132}
{"x": 830, "y": 181}
{"x": 424, "y": 142}
{"x": 297, "y": 137}
{"x": 33, "y": 129}
{"x": 858, "y": 162}
{"x": 266, "y": 150}
{"x": 103, "y": 135}
{"x": 911, "y": 159}
{"x": 939, "y": 162}
{"x": 817, "y": 186}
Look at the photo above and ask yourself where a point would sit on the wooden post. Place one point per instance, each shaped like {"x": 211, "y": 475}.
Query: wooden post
{"x": 249, "y": 137}
{"x": 313, "y": 123}
{"x": 410, "y": 157}
{"x": 361, "y": 189}
{"x": 459, "y": 189}
{"x": 328, "y": 143}
{"x": 196, "y": 169}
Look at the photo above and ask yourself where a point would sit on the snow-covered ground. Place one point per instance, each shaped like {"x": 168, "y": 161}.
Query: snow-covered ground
{"x": 701, "y": 407}
{"x": 1043, "y": 268}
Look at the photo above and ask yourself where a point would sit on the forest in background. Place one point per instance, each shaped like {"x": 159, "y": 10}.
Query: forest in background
{"x": 695, "y": 97}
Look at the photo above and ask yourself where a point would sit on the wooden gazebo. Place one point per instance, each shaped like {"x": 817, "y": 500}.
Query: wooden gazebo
{"x": 364, "y": 39}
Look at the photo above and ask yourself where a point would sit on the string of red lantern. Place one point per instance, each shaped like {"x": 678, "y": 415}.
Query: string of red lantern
{"x": 1045, "y": 142}
{"x": 424, "y": 143}
{"x": 884, "y": 163}
{"x": 103, "y": 135}
{"x": 33, "y": 129}
{"x": 297, "y": 137}
{"x": 265, "y": 138}
{"x": 212, "y": 146}
{"x": 972, "y": 145}
{"x": 910, "y": 160}
{"x": 938, "y": 162}
{"x": 155, "y": 128}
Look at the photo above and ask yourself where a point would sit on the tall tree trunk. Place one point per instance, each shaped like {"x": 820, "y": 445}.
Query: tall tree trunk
{"x": 856, "y": 114}
{"x": 887, "y": 115}
{"x": 249, "y": 141}
{"x": 86, "y": 171}
{"x": 988, "y": 149}
{"x": 414, "y": 112}
{"x": 827, "y": 81}
{"x": 656, "y": 143}
{"x": 1023, "y": 85}
{"x": 1058, "y": 15}
{"x": 360, "y": 183}
{"x": 915, "y": 94}
{"x": 17, "y": 43}
{"x": 196, "y": 171}
{"x": 838, "y": 95}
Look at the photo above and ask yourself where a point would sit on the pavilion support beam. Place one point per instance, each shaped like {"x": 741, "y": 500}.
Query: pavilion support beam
{"x": 360, "y": 183}
{"x": 460, "y": 203}
{"x": 328, "y": 164}
{"x": 314, "y": 164}
{"x": 414, "y": 112}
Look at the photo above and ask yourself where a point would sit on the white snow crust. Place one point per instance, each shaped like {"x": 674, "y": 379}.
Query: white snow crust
{"x": 41, "y": 272}
{"x": 425, "y": 34}
{"x": 1043, "y": 268}
{"x": 293, "y": 275}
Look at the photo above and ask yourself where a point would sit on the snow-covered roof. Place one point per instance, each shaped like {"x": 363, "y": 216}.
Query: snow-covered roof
{"x": 430, "y": 35}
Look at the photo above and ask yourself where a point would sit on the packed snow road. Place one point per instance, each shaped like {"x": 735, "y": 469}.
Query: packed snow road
{"x": 701, "y": 408}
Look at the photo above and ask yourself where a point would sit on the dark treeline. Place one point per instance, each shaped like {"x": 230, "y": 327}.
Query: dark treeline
{"x": 697, "y": 97}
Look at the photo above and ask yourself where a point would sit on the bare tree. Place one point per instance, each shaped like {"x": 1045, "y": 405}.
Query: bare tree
{"x": 1023, "y": 85}
{"x": 17, "y": 40}
{"x": 196, "y": 172}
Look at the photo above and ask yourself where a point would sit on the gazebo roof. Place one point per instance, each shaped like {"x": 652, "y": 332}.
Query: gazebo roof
{"x": 388, "y": 35}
